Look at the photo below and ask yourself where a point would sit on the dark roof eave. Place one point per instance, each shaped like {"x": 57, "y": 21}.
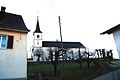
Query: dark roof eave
{"x": 106, "y": 32}
{"x": 37, "y": 31}
{"x": 111, "y": 30}
{"x": 16, "y": 30}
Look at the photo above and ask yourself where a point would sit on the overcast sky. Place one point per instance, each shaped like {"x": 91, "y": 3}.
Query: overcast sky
{"x": 81, "y": 20}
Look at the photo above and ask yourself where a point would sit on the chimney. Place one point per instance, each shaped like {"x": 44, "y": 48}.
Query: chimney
{"x": 3, "y": 9}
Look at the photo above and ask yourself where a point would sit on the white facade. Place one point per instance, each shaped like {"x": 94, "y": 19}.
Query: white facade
{"x": 13, "y": 62}
{"x": 37, "y": 40}
{"x": 37, "y": 46}
{"x": 116, "y": 35}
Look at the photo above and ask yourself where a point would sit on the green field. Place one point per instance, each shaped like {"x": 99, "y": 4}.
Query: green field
{"x": 66, "y": 71}
{"x": 114, "y": 64}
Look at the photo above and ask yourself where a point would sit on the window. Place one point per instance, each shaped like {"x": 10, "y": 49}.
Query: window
{"x": 38, "y": 36}
{"x": 37, "y": 43}
{"x": 3, "y": 41}
{"x": 6, "y": 42}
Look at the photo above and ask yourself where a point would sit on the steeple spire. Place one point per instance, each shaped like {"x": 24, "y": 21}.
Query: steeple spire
{"x": 37, "y": 27}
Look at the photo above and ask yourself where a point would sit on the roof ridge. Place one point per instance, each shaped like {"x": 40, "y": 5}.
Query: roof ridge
{"x": 10, "y": 13}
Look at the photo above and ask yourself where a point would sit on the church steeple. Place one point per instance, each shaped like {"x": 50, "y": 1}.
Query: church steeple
{"x": 37, "y": 35}
{"x": 37, "y": 30}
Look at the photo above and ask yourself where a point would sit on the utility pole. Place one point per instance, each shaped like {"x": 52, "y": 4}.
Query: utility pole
{"x": 61, "y": 38}
{"x": 60, "y": 33}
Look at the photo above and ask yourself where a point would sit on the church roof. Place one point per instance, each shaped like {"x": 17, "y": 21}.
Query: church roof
{"x": 111, "y": 30}
{"x": 65, "y": 44}
{"x": 37, "y": 30}
{"x": 13, "y": 22}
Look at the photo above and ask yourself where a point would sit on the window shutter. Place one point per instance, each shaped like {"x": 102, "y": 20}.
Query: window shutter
{"x": 10, "y": 42}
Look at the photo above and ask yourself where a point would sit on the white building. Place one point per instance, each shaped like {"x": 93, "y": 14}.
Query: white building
{"x": 40, "y": 46}
{"x": 13, "y": 46}
{"x": 116, "y": 34}
{"x": 37, "y": 42}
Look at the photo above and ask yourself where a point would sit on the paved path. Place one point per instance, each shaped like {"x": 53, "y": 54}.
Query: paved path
{"x": 105, "y": 68}
{"x": 106, "y": 73}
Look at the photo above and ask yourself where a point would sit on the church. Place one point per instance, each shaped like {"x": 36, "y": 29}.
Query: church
{"x": 39, "y": 46}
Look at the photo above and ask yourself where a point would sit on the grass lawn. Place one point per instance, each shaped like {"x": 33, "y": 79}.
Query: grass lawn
{"x": 115, "y": 64}
{"x": 66, "y": 71}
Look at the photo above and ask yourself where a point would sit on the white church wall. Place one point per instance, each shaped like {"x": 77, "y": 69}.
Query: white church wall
{"x": 13, "y": 62}
{"x": 43, "y": 53}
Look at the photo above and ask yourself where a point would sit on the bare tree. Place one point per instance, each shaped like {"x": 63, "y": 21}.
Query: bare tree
{"x": 54, "y": 56}
{"x": 109, "y": 55}
{"x": 39, "y": 53}
{"x": 98, "y": 54}
{"x": 80, "y": 57}
{"x": 88, "y": 56}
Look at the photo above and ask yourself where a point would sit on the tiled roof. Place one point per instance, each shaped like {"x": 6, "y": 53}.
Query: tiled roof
{"x": 9, "y": 21}
{"x": 65, "y": 44}
{"x": 111, "y": 30}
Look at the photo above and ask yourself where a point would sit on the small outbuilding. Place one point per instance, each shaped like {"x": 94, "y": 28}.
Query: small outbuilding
{"x": 116, "y": 34}
{"x": 13, "y": 46}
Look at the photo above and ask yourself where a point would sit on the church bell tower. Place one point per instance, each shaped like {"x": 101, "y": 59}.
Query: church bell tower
{"x": 37, "y": 36}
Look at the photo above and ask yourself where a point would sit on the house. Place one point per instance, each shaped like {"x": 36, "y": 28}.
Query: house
{"x": 13, "y": 46}
{"x": 39, "y": 44}
{"x": 116, "y": 34}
